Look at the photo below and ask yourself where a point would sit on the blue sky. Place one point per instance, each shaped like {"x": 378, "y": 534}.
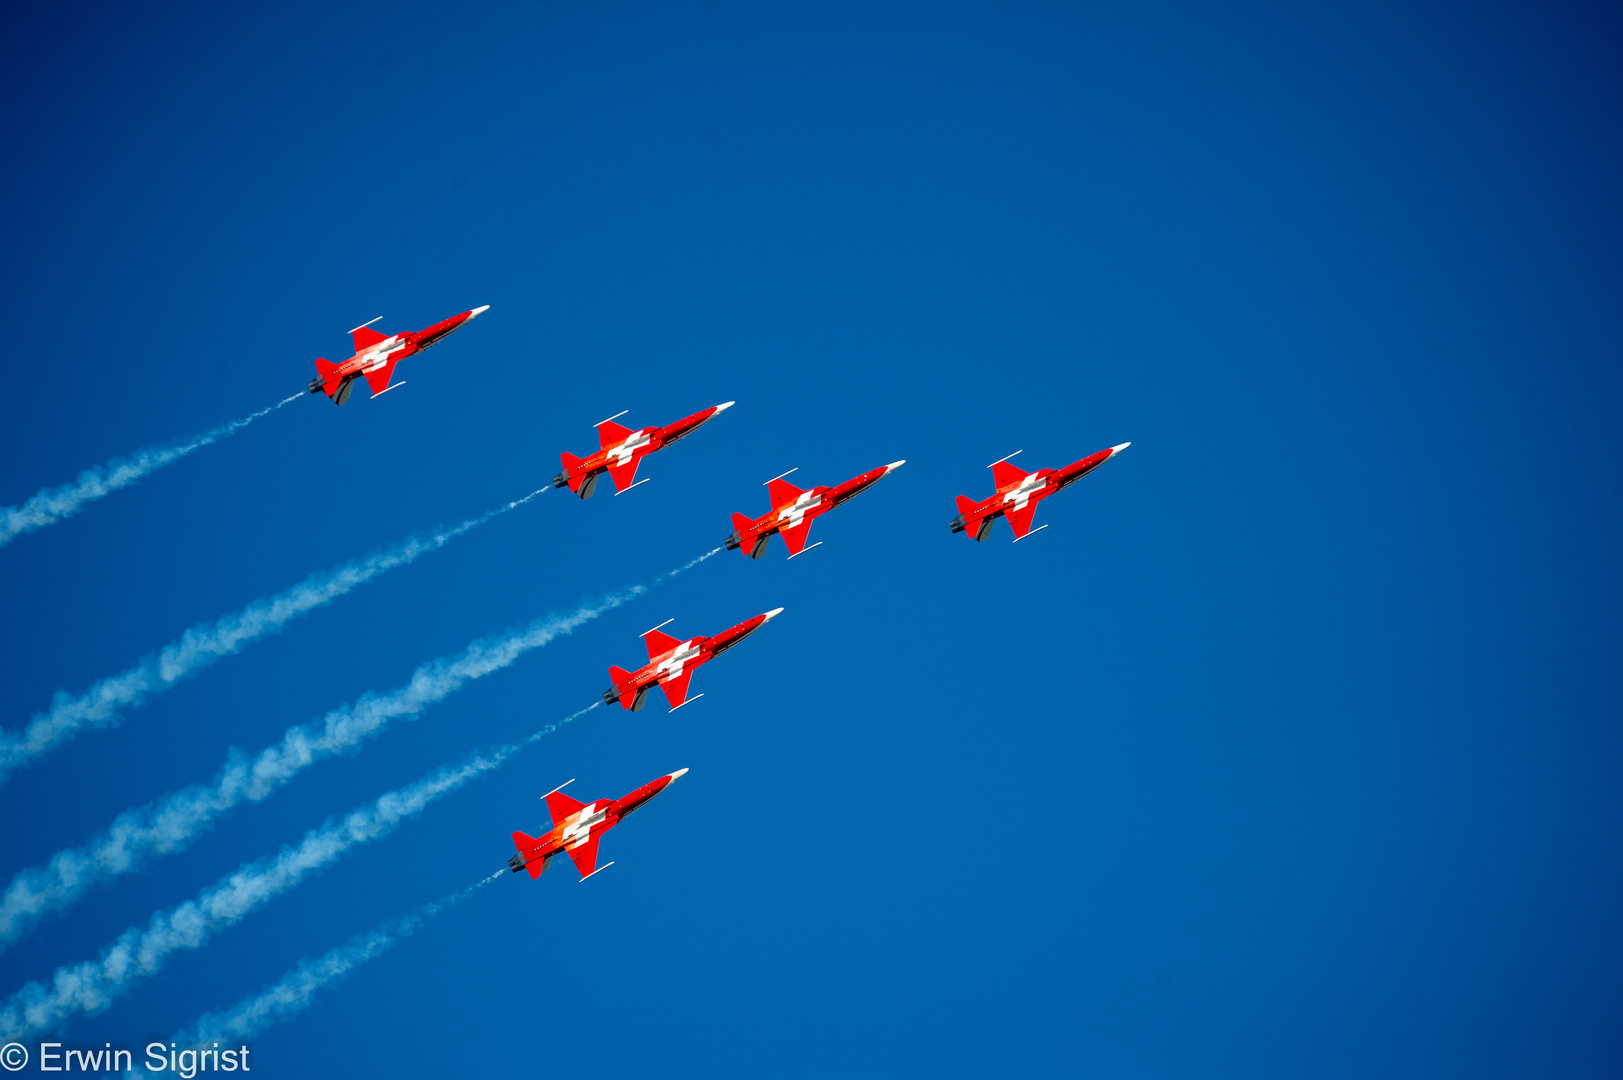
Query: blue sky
{"x": 1291, "y": 748}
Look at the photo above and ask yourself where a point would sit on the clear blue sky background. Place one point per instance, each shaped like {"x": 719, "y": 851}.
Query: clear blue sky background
{"x": 1292, "y": 747}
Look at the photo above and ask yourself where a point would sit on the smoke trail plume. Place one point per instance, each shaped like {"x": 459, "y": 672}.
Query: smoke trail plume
{"x": 296, "y": 991}
{"x": 206, "y": 643}
{"x": 93, "y": 985}
{"x": 169, "y": 825}
{"x": 54, "y": 504}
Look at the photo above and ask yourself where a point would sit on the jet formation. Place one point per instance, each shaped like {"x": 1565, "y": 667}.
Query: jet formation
{"x": 577, "y": 827}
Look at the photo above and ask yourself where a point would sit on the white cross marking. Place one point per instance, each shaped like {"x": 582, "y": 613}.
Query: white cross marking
{"x": 377, "y": 355}
{"x": 796, "y": 513}
{"x": 634, "y": 442}
{"x": 672, "y": 667}
{"x": 579, "y": 830}
{"x": 1022, "y": 494}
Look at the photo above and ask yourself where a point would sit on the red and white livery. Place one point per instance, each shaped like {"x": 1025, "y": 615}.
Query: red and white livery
{"x": 794, "y": 510}
{"x": 577, "y": 827}
{"x": 1018, "y": 494}
{"x": 620, "y": 448}
{"x": 671, "y": 663}
{"x": 376, "y": 355}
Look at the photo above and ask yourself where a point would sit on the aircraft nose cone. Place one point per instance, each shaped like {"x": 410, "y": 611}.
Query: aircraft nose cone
{"x": 678, "y": 774}
{"x": 774, "y": 613}
{"x": 478, "y": 311}
{"x": 725, "y": 405}
{"x": 1119, "y": 449}
{"x": 895, "y": 465}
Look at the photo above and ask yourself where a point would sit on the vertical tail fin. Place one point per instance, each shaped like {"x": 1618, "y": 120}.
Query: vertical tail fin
{"x": 571, "y": 463}
{"x": 526, "y": 843}
{"x": 621, "y": 678}
{"x": 327, "y": 372}
{"x": 741, "y": 529}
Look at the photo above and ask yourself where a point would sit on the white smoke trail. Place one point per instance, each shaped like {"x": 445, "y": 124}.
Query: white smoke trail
{"x": 93, "y": 985}
{"x": 296, "y": 991}
{"x": 54, "y": 504}
{"x": 206, "y": 643}
{"x": 169, "y": 825}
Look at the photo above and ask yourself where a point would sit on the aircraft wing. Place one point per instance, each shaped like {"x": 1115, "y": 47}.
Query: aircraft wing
{"x": 782, "y": 492}
{"x": 611, "y": 434}
{"x": 1004, "y": 474}
{"x": 659, "y": 643}
{"x": 1020, "y": 520}
{"x": 561, "y": 806}
{"x": 379, "y": 380}
{"x": 624, "y": 475}
{"x": 365, "y": 337}
{"x": 795, "y": 537}
{"x": 676, "y": 687}
{"x": 585, "y": 855}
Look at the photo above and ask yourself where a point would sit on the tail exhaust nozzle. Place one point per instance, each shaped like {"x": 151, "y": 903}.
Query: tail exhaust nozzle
{"x": 965, "y": 521}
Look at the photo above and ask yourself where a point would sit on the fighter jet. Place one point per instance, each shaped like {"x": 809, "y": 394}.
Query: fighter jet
{"x": 671, "y": 663}
{"x": 793, "y": 511}
{"x": 376, "y": 355}
{"x": 577, "y": 827}
{"x": 621, "y": 448}
{"x": 1019, "y": 492}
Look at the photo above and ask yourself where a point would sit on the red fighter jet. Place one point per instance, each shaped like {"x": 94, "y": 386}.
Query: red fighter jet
{"x": 577, "y": 827}
{"x": 1019, "y": 492}
{"x": 671, "y": 663}
{"x": 793, "y": 511}
{"x": 376, "y": 355}
{"x": 620, "y": 449}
